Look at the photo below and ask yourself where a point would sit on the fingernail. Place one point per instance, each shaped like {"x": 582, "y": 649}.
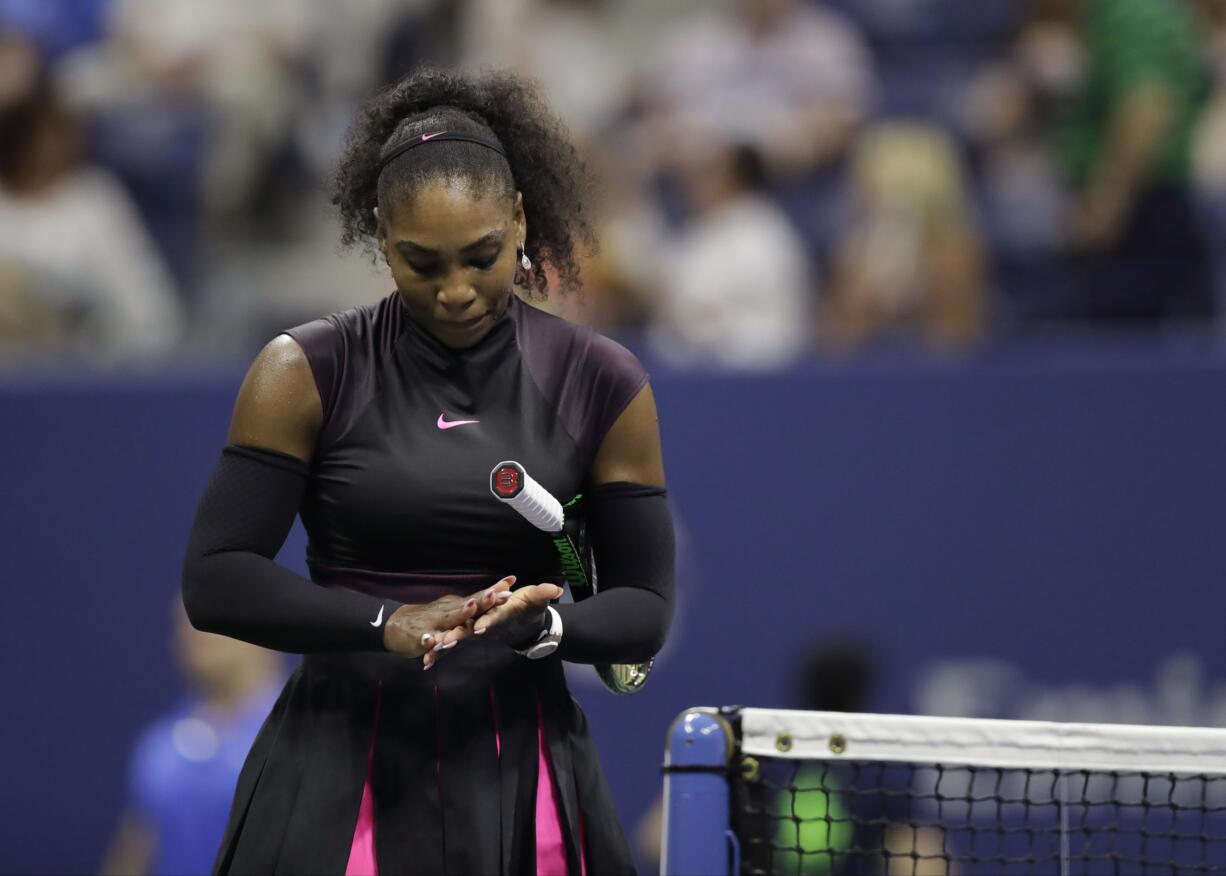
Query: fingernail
{"x": 504, "y": 595}
{"x": 450, "y": 645}
{"x": 438, "y": 647}
{"x": 480, "y": 632}
{"x": 471, "y": 603}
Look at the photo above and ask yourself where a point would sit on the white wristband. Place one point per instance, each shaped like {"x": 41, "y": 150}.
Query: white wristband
{"x": 547, "y": 642}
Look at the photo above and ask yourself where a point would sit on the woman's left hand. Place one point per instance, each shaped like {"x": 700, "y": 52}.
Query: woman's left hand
{"x": 520, "y": 619}
{"x": 440, "y": 641}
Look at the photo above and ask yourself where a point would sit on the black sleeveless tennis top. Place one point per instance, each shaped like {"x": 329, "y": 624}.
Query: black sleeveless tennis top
{"x": 412, "y": 430}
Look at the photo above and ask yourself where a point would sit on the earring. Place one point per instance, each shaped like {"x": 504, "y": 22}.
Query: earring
{"x": 524, "y": 261}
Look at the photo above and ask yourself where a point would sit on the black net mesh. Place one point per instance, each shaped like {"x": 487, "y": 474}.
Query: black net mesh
{"x": 805, "y": 818}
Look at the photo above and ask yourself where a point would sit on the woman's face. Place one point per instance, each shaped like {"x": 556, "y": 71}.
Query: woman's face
{"x": 453, "y": 253}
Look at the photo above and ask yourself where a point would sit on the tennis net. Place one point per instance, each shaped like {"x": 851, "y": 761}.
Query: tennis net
{"x": 759, "y": 791}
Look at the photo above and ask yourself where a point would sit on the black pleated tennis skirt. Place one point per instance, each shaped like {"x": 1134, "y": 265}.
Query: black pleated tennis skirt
{"x": 451, "y": 756}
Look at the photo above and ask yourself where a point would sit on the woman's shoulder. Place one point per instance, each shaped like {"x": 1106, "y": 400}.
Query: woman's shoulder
{"x": 365, "y": 322}
{"x": 341, "y": 344}
{"x": 560, "y": 345}
{"x": 589, "y": 378}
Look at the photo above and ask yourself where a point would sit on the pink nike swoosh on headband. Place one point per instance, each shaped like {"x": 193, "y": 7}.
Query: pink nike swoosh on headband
{"x": 425, "y": 137}
{"x": 443, "y": 424}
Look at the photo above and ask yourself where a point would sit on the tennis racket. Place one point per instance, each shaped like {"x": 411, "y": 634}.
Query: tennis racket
{"x": 515, "y": 487}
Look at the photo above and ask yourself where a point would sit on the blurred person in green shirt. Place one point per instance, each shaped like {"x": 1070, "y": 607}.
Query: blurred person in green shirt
{"x": 1125, "y": 146}
{"x": 814, "y": 828}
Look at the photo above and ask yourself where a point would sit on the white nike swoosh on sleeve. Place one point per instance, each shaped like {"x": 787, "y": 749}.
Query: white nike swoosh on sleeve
{"x": 379, "y": 619}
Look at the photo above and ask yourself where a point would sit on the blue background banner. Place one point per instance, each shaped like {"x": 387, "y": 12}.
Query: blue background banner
{"x": 1014, "y": 537}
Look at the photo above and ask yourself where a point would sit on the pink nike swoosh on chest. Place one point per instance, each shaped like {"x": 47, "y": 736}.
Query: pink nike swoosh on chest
{"x": 443, "y": 424}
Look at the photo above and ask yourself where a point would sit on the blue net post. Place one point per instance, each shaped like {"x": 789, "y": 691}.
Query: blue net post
{"x": 697, "y": 838}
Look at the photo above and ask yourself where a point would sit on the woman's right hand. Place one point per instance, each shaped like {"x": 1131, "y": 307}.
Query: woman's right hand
{"x": 425, "y": 630}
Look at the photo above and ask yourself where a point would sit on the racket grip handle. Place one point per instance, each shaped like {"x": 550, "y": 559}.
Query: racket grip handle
{"x": 514, "y": 486}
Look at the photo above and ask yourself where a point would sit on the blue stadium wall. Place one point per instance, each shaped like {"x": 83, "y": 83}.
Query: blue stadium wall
{"x": 1020, "y": 536}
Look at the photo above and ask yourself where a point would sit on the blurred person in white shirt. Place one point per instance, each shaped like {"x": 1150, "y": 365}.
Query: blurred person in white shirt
{"x": 737, "y": 289}
{"x": 78, "y": 264}
{"x": 792, "y": 79}
{"x": 572, "y": 47}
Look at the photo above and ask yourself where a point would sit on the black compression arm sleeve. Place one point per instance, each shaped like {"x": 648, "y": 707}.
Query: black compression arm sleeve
{"x": 631, "y": 531}
{"x": 231, "y": 584}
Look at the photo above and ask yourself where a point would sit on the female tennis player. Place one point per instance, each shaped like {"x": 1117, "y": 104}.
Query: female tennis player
{"x": 429, "y": 729}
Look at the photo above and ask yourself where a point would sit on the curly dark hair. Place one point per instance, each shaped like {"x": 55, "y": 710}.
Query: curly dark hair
{"x": 540, "y": 162}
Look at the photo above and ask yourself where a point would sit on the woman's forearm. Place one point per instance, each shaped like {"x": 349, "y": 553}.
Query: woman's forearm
{"x": 631, "y": 530}
{"x": 232, "y": 586}
{"x": 623, "y": 625}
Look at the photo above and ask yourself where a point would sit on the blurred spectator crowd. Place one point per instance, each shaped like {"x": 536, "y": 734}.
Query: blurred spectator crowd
{"x": 779, "y": 177}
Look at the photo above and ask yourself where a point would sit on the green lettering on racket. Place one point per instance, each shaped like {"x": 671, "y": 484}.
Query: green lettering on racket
{"x": 572, "y": 567}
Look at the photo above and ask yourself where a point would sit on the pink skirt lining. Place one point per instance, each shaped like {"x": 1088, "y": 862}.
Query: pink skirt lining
{"x": 550, "y": 844}
{"x": 362, "y": 860}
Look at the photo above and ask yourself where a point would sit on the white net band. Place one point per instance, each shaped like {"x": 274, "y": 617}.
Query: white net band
{"x": 980, "y": 742}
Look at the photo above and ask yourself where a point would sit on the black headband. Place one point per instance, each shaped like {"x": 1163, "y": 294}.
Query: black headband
{"x": 414, "y": 142}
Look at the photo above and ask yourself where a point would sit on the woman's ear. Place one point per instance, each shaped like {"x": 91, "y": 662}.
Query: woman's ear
{"x": 380, "y": 232}
{"x": 521, "y": 221}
